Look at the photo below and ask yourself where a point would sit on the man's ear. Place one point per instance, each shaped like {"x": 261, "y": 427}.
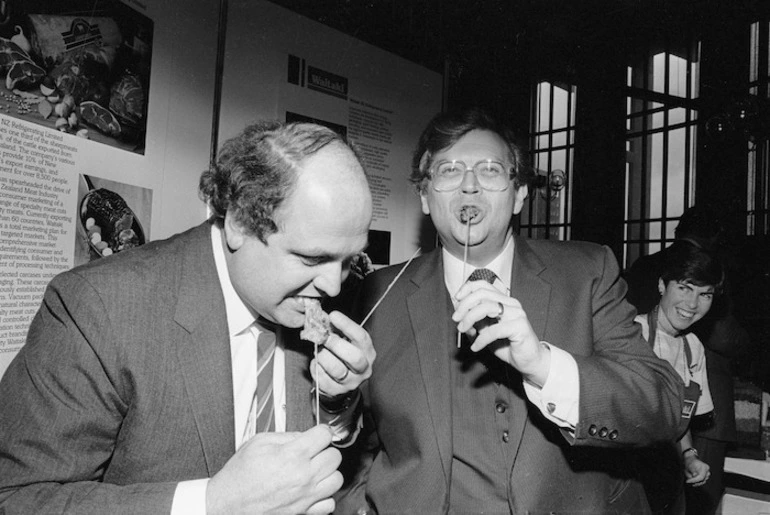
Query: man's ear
{"x": 520, "y": 196}
{"x": 424, "y": 200}
{"x": 234, "y": 233}
{"x": 661, "y": 286}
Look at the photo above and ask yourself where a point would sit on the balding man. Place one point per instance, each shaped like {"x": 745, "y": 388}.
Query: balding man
{"x": 141, "y": 387}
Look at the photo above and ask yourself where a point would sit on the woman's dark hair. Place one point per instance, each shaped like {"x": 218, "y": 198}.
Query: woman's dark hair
{"x": 687, "y": 262}
{"x": 257, "y": 170}
{"x": 445, "y": 129}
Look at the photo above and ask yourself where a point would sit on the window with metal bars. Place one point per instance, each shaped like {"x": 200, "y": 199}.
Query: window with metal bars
{"x": 758, "y": 190}
{"x": 661, "y": 130}
{"x": 546, "y": 213}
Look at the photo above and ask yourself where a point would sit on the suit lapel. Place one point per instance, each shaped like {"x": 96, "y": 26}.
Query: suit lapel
{"x": 204, "y": 351}
{"x": 529, "y": 287}
{"x": 429, "y": 302}
{"x": 533, "y": 292}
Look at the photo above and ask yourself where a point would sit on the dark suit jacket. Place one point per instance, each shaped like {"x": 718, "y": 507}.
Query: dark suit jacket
{"x": 574, "y": 299}
{"x": 124, "y": 386}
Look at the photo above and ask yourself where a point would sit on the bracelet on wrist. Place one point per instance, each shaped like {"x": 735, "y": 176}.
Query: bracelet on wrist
{"x": 693, "y": 450}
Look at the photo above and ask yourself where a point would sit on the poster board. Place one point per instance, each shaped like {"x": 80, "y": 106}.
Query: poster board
{"x": 280, "y": 65}
{"x": 53, "y": 179}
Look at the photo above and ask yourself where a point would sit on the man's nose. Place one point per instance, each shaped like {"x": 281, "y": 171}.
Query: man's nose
{"x": 329, "y": 279}
{"x": 470, "y": 183}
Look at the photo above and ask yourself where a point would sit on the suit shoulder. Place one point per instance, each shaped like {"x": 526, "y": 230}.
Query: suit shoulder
{"x": 387, "y": 273}
{"x": 151, "y": 265}
{"x": 550, "y": 250}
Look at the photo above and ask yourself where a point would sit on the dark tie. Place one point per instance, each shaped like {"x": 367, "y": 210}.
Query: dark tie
{"x": 261, "y": 417}
{"x": 497, "y": 369}
{"x": 484, "y": 274}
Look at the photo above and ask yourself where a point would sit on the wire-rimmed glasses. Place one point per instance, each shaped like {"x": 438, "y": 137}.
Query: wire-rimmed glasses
{"x": 491, "y": 175}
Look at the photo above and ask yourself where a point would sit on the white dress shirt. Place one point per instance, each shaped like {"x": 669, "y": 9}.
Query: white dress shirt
{"x": 559, "y": 398}
{"x": 190, "y": 496}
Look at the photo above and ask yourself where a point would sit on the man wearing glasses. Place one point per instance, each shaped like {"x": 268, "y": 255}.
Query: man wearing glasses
{"x": 510, "y": 377}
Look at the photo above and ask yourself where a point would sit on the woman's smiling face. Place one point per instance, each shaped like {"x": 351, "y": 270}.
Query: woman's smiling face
{"x": 682, "y": 304}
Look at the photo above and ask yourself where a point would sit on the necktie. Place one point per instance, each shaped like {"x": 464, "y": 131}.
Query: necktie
{"x": 497, "y": 369}
{"x": 483, "y": 274}
{"x": 261, "y": 413}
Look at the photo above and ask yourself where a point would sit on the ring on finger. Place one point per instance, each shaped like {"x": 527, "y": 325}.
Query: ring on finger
{"x": 502, "y": 309}
{"x": 344, "y": 376}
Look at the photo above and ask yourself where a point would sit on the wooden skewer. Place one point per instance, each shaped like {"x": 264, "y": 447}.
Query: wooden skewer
{"x": 465, "y": 263}
{"x": 317, "y": 389}
{"x": 390, "y": 286}
{"x": 315, "y": 350}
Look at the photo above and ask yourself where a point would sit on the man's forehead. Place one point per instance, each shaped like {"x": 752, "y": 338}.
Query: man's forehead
{"x": 479, "y": 142}
{"x": 329, "y": 252}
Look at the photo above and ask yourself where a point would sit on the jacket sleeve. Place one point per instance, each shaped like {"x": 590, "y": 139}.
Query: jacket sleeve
{"x": 628, "y": 396}
{"x": 61, "y": 411}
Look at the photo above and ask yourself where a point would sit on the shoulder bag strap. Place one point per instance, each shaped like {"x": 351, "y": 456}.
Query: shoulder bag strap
{"x": 687, "y": 353}
{"x": 652, "y": 322}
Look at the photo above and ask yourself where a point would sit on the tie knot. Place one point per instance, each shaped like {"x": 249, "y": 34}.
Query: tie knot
{"x": 483, "y": 274}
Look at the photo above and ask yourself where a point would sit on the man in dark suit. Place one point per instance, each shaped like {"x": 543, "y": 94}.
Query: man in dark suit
{"x": 135, "y": 390}
{"x": 551, "y": 381}
{"x": 724, "y": 341}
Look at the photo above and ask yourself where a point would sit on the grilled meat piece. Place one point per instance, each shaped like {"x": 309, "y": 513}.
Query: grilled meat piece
{"x": 109, "y": 211}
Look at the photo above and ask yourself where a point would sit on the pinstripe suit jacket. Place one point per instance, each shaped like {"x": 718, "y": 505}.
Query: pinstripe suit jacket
{"x": 574, "y": 299}
{"x": 124, "y": 386}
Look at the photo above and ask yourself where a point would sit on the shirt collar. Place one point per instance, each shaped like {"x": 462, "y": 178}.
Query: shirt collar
{"x": 455, "y": 273}
{"x": 239, "y": 316}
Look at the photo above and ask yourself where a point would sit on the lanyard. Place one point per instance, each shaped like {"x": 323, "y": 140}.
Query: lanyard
{"x": 652, "y": 321}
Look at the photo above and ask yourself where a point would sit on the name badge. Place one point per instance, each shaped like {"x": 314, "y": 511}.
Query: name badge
{"x": 688, "y": 408}
{"x": 690, "y": 401}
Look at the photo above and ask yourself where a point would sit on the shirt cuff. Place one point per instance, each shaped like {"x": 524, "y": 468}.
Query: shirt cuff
{"x": 190, "y": 497}
{"x": 559, "y": 398}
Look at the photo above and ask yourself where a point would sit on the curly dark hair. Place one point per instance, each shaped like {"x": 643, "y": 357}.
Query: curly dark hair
{"x": 687, "y": 261}
{"x": 257, "y": 170}
{"x": 445, "y": 129}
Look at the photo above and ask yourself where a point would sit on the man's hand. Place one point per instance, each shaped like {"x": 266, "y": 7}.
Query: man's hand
{"x": 278, "y": 473}
{"x": 510, "y": 335}
{"x": 344, "y": 363}
{"x": 696, "y": 472}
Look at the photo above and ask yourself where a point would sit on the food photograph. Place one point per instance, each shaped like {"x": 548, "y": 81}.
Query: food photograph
{"x": 111, "y": 217}
{"x": 79, "y": 67}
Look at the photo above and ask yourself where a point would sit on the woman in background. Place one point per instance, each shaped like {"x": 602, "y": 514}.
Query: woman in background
{"x": 690, "y": 279}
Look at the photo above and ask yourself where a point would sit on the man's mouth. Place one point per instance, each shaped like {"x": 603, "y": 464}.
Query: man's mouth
{"x": 301, "y": 301}
{"x": 468, "y": 214}
{"x": 685, "y": 314}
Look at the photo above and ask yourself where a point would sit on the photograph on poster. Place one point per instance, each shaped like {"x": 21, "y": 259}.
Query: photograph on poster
{"x": 77, "y": 66}
{"x": 111, "y": 217}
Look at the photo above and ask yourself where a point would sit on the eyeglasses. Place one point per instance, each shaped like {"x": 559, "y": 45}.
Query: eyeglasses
{"x": 492, "y": 175}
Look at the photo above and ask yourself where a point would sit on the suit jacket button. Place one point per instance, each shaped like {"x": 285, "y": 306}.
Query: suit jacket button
{"x": 613, "y": 435}
{"x": 500, "y": 407}
{"x": 506, "y": 436}
{"x": 593, "y": 430}
{"x": 603, "y": 432}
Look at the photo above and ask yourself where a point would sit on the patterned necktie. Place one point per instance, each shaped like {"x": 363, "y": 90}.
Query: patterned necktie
{"x": 483, "y": 274}
{"x": 261, "y": 417}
